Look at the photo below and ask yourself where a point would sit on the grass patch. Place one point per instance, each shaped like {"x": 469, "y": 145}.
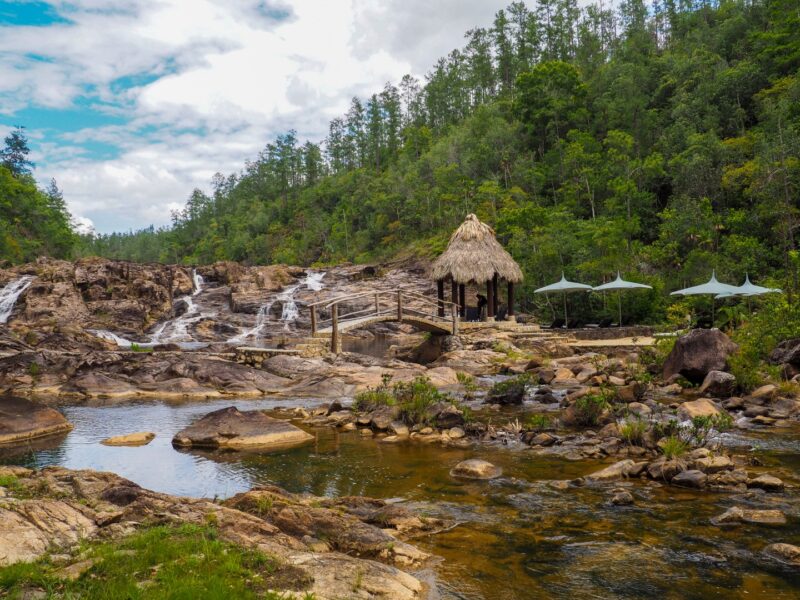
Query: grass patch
{"x": 137, "y": 348}
{"x": 510, "y": 391}
{"x": 673, "y": 447}
{"x": 538, "y": 422}
{"x": 633, "y": 431}
{"x": 178, "y": 563}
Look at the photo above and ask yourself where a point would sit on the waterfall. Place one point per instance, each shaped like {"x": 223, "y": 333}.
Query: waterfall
{"x": 10, "y": 293}
{"x": 198, "y": 282}
{"x": 289, "y": 312}
{"x": 112, "y": 337}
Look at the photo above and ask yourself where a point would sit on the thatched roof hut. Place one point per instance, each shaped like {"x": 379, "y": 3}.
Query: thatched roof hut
{"x": 474, "y": 255}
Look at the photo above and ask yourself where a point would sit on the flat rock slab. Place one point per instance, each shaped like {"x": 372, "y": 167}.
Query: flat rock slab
{"x": 140, "y": 438}
{"x": 475, "y": 468}
{"x": 22, "y": 420}
{"x": 232, "y": 428}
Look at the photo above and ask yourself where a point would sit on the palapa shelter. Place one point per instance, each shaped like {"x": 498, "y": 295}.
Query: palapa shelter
{"x": 474, "y": 256}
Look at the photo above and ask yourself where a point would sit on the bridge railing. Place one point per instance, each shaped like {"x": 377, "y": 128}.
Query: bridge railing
{"x": 399, "y": 304}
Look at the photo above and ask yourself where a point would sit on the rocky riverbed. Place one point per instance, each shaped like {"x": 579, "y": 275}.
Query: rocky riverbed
{"x": 561, "y": 464}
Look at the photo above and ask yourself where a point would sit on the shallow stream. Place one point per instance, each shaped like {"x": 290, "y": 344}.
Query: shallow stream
{"x": 518, "y": 537}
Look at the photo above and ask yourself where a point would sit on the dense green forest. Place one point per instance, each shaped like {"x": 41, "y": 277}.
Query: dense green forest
{"x": 33, "y": 222}
{"x": 660, "y": 139}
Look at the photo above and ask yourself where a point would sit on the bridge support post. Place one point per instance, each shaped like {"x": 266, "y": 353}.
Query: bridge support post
{"x": 313, "y": 321}
{"x": 336, "y": 342}
{"x": 440, "y": 295}
{"x": 399, "y": 306}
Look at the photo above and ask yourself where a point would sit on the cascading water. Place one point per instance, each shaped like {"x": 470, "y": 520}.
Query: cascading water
{"x": 10, "y": 294}
{"x": 173, "y": 330}
{"x": 289, "y": 311}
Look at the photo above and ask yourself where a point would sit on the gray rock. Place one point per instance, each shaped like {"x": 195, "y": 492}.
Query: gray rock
{"x": 718, "y": 384}
{"x": 697, "y": 353}
{"x": 475, "y": 468}
{"x": 691, "y": 479}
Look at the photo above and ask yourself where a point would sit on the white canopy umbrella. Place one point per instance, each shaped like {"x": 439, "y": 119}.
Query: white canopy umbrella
{"x": 620, "y": 284}
{"x": 710, "y": 288}
{"x": 564, "y": 286}
{"x": 750, "y": 289}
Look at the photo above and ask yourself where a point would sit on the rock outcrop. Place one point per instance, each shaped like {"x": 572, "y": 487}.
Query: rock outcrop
{"x": 698, "y": 353}
{"x": 331, "y": 543}
{"x": 23, "y": 420}
{"x": 232, "y": 428}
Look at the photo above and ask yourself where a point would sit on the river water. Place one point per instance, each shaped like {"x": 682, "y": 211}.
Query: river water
{"x": 518, "y": 536}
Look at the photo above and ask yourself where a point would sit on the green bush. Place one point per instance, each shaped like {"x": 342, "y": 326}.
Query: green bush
{"x": 633, "y": 431}
{"x": 510, "y": 391}
{"x": 538, "y": 422}
{"x": 414, "y": 399}
{"x": 673, "y": 447}
{"x": 589, "y": 409}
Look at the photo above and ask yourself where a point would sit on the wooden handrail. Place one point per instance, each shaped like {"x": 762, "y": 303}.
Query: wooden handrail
{"x": 331, "y": 301}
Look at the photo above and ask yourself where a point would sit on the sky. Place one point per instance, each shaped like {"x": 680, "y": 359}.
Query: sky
{"x": 131, "y": 104}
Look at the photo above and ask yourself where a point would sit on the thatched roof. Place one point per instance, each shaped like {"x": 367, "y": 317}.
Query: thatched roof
{"x": 475, "y": 255}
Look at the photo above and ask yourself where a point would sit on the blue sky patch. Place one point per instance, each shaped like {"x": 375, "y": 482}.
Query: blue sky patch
{"x": 36, "y": 14}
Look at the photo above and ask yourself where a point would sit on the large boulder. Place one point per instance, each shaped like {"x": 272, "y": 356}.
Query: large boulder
{"x": 22, "y": 420}
{"x": 718, "y": 384}
{"x": 787, "y": 354}
{"x": 232, "y": 428}
{"x": 698, "y": 353}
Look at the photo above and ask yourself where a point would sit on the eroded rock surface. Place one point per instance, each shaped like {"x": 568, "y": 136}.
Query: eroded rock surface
{"x": 22, "y": 420}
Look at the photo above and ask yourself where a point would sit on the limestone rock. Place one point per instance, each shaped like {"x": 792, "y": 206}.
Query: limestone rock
{"x": 22, "y": 420}
{"x": 141, "y": 438}
{"x": 718, "y": 384}
{"x": 736, "y": 514}
{"x": 766, "y": 482}
{"x": 785, "y": 553}
{"x": 702, "y": 407}
{"x": 691, "y": 478}
{"x": 231, "y": 428}
{"x": 613, "y": 472}
{"x": 475, "y": 468}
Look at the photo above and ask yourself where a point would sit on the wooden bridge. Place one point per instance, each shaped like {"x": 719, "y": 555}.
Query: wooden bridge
{"x": 367, "y": 308}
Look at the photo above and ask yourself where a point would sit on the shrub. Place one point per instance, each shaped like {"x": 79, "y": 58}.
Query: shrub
{"x": 538, "y": 422}
{"x": 373, "y": 398}
{"x": 414, "y": 399}
{"x": 589, "y": 409}
{"x": 633, "y": 431}
{"x": 673, "y": 447}
{"x": 469, "y": 384}
{"x": 137, "y": 348}
{"x": 705, "y": 429}
{"x": 510, "y": 391}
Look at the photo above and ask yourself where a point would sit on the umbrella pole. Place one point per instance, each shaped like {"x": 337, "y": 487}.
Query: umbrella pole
{"x": 713, "y": 308}
{"x": 619, "y": 302}
{"x": 566, "y": 318}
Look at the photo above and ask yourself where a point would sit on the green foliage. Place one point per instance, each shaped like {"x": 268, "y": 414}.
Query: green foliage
{"x": 589, "y": 409}
{"x": 633, "y": 431}
{"x": 776, "y": 320}
{"x": 704, "y": 429}
{"x": 137, "y": 348}
{"x": 538, "y": 422}
{"x": 673, "y": 447}
{"x": 160, "y": 562}
{"x": 414, "y": 399}
{"x": 513, "y": 387}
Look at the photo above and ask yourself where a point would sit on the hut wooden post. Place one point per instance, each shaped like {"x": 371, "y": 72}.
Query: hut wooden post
{"x": 313, "y": 321}
{"x": 462, "y": 300}
{"x": 336, "y": 344}
{"x": 495, "y": 293}
{"x": 511, "y": 301}
{"x": 490, "y": 300}
{"x": 440, "y": 296}
{"x": 455, "y": 319}
{"x": 454, "y": 292}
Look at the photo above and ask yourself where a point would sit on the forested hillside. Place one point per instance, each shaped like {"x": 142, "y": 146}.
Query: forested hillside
{"x": 660, "y": 139}
{"x": 33, "y": 222}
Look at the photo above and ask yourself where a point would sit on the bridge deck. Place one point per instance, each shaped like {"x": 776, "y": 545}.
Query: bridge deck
{"x": 421, "y": 322}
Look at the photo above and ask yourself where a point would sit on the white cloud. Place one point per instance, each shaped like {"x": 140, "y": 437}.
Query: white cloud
{"x": 234, "y": 70}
